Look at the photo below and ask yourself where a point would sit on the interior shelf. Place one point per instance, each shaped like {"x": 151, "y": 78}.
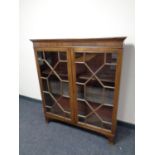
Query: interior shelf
{"x": 104, "y": 78}
{"x": 46, "y": 72}
{"x": 87, "y": 58}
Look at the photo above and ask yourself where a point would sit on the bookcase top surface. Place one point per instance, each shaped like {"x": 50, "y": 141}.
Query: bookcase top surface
{"x": 80, "y": 39}
{"x": 116, "y": 42}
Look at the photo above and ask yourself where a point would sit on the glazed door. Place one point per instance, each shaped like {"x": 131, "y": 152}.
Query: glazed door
{"x": 54, "y": 71}
{"x": 94, "y": 75}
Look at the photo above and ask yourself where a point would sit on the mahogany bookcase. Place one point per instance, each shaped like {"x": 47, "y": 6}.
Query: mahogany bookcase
{"x": 79, "y": 81}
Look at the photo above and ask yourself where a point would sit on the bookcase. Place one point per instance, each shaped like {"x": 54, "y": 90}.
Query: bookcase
{"x": 79, "y": 81}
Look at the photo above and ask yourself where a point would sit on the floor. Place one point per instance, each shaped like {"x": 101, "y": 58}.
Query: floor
{"x": 39, "y": 138}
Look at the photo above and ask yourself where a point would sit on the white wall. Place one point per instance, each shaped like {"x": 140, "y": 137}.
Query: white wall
{"x": 76, "y": 19}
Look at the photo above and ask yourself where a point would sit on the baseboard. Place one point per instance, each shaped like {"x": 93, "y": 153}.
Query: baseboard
{"x": 125, "y": 124}
{"x": 120, "y": 123}
{"x": 29, "y": 98}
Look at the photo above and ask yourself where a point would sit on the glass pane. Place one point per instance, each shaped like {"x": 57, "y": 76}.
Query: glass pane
{"x": 45, "y": 84}
{"x": 40, "y": 55}
{"x": 62, "y": 56}
{"x": 62, "y": 71}
{"x": 95, "y": 92}
{"x": 80, "y": 91}
{"x": 49, "y": 100}
{"x": 55, "y": 84}
{"x": 94, "y": 120}
{"x": 94, "y": 60}
{"x": 44, "y": 67}
{"x": 65, "y": 89}
{"x": 111, "y": 57}
{"x": 95, "y": 82}
{"x": 64, "y": 102}
{"x": 105, "y": 113}
{"x": 79, "y": 57}
{"x": 83, "y": 110}
{"x": 82, "y": 73}
{"x": 107, "y": 75}
{"x": 51, "y": 58}
{"x": 52, "y": 106}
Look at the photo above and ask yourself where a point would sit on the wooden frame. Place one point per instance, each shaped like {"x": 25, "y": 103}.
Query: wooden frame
{"x": 72, "y": 46}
